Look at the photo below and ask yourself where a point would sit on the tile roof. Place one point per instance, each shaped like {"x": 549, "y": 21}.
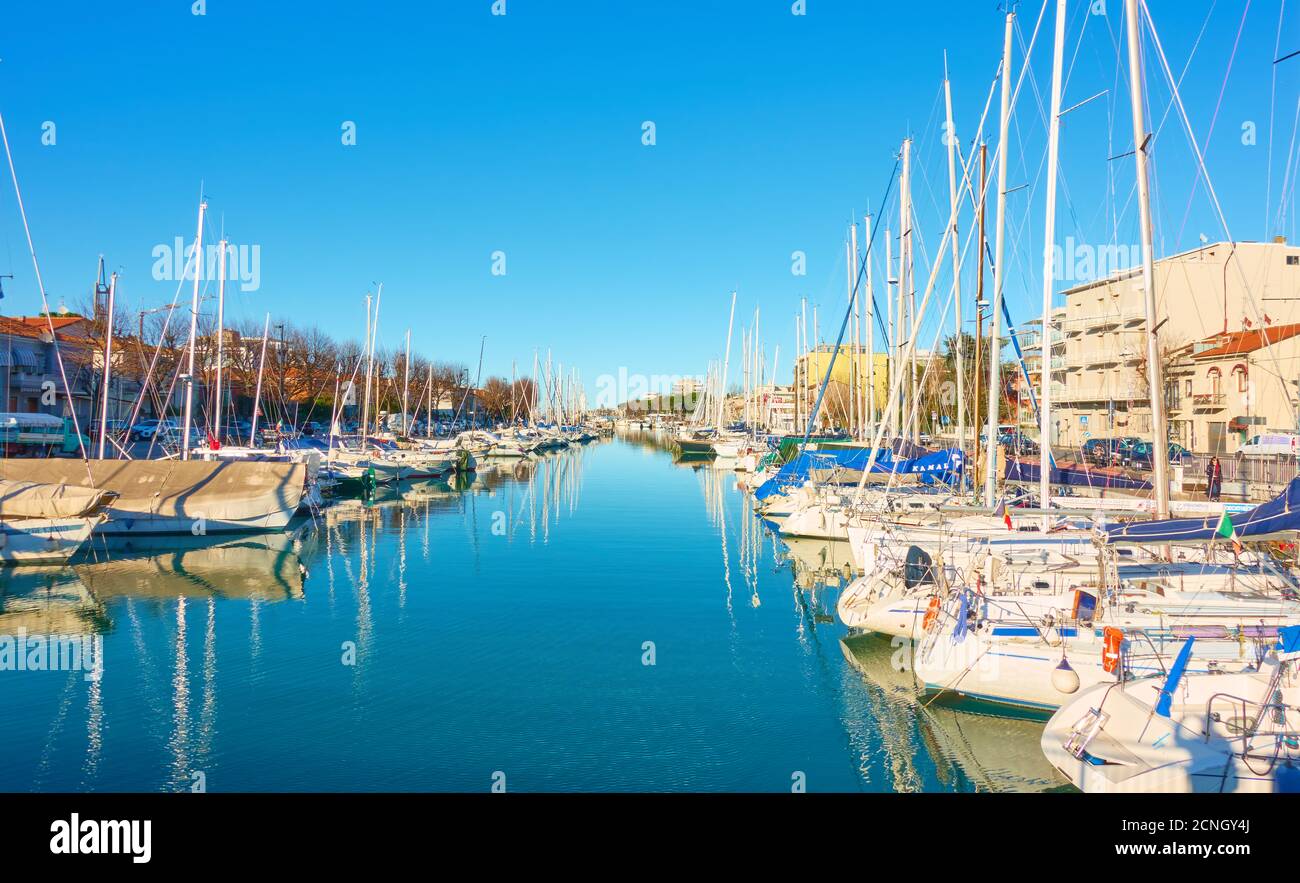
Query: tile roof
{"x": 1236, "y": 343}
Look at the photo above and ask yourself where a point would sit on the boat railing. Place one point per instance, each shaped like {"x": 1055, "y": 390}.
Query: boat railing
{"x": 1248, "y": 716}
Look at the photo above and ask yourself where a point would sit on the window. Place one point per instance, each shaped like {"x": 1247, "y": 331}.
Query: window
{"x": 1216, "y": 381}
{"x": 1293, "y": 260}
{"x": 1239, "y": 371}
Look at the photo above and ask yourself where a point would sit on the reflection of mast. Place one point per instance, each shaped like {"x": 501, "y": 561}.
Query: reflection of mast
{"x": 207, "y": 720}
{"x": 94, "y": 719}
{"x": 179, "y": 741}
{"x": 401, "y": 555}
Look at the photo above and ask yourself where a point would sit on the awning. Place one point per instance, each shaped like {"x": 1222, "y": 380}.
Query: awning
{"x": 20, "y": 357}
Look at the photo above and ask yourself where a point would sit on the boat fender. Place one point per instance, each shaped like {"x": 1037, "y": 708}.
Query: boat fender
{"x": 1064, "y": 678}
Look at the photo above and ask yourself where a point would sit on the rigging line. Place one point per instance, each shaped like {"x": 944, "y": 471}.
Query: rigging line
{"x": 1288, "y": 182}
{"x": 830, "y": 366}
{"x": 1223, "y": 87}
{"x": 1272, "y": 103}
{"x": 45, "y": 304}
{"x": 1209, "y": 184}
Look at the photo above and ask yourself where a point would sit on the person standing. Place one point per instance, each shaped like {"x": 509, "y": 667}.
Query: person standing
{"x": 1214, "y": 479}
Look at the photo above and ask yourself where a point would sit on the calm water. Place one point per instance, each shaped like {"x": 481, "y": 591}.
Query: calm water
{"x": 433, "y": 639}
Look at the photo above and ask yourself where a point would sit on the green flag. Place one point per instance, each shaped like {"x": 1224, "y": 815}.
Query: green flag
{"x": 1225, "y": 528}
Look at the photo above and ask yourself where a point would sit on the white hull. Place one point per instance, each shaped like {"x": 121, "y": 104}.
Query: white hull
{"x": 43, "y": 540}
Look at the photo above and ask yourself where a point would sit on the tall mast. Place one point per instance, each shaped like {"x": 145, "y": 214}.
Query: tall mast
{"x": 194, "y": 327}
{"x": 257, "y": 395}
{"x": 374, "y": 334}
{"x": 906, "y": 292}
{"x": 869, "y": 396}
{"x": 891, "y": 405}
{"x": 221, "y": 334}
{"x": 428, "y": 417}
{"x": 108, "y": 360}
{"x": 979, "y": 292}
{"x": 726, "y": 363}
{"x": 1049, "y": 238}
{"x": 999, "y": 245}
{"x": 1159, "y": 438}
{"x": 365, "y": 406}
{"x": 850, "y": 255}
{"x": 406, "y": 385}
{"x": 958, "y": 340}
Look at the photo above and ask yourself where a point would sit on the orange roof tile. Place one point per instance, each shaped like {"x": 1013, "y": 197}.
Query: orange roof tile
{"x": 1236, "y": 343}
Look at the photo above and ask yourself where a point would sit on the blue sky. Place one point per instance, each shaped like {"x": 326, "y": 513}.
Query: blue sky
{"x": 523, "y": 133}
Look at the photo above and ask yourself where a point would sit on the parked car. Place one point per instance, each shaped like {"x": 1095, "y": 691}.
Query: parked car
{"x": 1285, "y": 443}
{"x": 143, "y": 430}
{"x": 1140, "y": 455}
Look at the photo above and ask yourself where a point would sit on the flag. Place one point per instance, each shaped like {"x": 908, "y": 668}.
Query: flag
{"x": 1228, "y": 532}
{"x": 1001, "y": 512}
{"x": 213, "y": 444}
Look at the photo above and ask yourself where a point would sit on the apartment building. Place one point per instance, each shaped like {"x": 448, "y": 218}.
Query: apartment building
{"x": 1228, "y": 351}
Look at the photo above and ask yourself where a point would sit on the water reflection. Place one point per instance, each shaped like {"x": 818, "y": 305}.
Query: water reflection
{"x": 363, "y": 650}
{"x": 992, "y": 753}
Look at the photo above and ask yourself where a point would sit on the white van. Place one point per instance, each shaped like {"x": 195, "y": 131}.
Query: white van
{"x": 1273, "y": 443}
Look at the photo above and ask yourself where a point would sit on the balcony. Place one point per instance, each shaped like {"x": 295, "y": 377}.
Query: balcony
{"x": 1208, "y": 401}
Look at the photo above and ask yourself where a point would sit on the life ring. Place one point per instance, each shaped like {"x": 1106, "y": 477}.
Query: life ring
{"x": 1112, "y": 640}
{"x": 931, "y": 613}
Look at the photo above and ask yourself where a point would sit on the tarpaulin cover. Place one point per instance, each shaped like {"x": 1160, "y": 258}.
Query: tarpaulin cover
{"x": 1279, "y": 515}
{"x": 937, "y": 466}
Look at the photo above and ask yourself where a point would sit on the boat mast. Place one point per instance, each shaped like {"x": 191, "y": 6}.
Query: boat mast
{"x": 909, "y": 290}
{"x": 958, "y": 340}
{"x": 869, "y": 394}
{"x": 850, "y": 247}
{"x": 257, "y": 395}
{"x": 1049, "y": 239}
{"x": 194, "y": 327}
{"x": 428, "y": 417}
{"x": 108, "y": 359}
{"x": 892, "y": 343}
{"x": 999, "y": 246}
{"x": 726, "y": 363}
{"x": 1141, "y": 140}
{"x": 221, "y": 334}
{"x": 406, "y": 386}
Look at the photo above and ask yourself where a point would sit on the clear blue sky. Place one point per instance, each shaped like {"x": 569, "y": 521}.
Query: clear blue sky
{"x": 522, "y": 133}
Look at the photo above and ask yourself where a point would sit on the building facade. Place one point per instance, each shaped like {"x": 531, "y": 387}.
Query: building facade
{"x": 1214, "y": 307}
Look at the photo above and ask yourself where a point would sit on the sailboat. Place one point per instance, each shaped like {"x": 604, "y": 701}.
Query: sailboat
{"x": 45, "y": 524}
{"x": 1181, "y": 731}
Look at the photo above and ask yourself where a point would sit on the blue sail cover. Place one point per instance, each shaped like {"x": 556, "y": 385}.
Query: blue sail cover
{"x": 1279, "y": 515}
{"x": 940, "y": 466}
{"x": 1073, "y": 476}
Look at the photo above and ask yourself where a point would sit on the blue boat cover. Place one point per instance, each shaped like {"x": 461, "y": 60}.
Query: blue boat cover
{"x": 940, "y": 466}
{"x": 1073, "y": 476}
{"x": 1288, "y": 639}
{"x": 1279, "y": 515}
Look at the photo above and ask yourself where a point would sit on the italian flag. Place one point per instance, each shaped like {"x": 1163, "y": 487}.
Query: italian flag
{"x": 1228, "y": 532}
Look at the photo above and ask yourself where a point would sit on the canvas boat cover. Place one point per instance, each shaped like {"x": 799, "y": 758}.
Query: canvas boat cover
{"x": 939, "y": 466}
{"x": 28, "y": 499}
{"x": 1280, "y": 515}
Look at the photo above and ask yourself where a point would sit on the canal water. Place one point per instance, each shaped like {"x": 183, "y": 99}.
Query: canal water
{"x": 601, "y": 619}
